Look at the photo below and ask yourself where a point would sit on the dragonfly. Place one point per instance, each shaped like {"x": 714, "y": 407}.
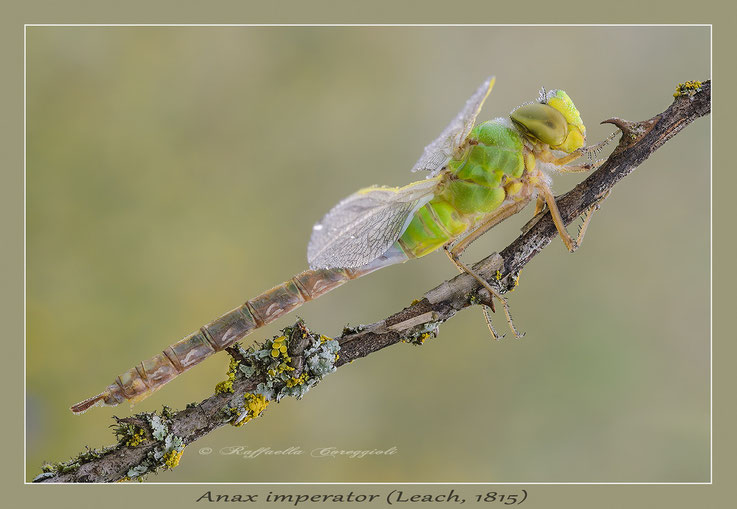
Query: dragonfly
{"x": 477, "y": 176}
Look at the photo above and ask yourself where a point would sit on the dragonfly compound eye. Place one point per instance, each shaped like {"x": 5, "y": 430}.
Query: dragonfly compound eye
{"x": 542, "y": 122}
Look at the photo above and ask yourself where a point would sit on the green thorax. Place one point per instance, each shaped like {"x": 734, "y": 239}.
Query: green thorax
{"x": 473, "y": 186}
{"x": 475, "y": 181}
{"x": 492, "y": 163}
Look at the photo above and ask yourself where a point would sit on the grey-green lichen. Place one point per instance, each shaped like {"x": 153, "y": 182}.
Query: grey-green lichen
{"x": 420, "y": 334}
{"x": 49, "y": 470}
{"x": 128, "y": 434}
{"x": 62, "y": 467}
{"x": 168, "y": 449}
{"x": 280, "y": 374}
{"x": 167, "y": 412}
{"x": 353, "y": 330}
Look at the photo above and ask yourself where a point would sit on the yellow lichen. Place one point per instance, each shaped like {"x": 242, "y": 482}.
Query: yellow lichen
{"x": 282, "y": 367}
{"x": 688, "y": 88}
{"x": 298, "y": 380}
{"x": 171, "y": 458}
{"x": 498, "y": 275}
{"x": 227, "y": 385}
{"x": 224, "y": 386}
{"x": 138, "y": 437}
{"x": 516, "y": 280}
{"x": 423, "y": 337}
{"x": 255, "y": 404}
{"x": 279, "y": 350}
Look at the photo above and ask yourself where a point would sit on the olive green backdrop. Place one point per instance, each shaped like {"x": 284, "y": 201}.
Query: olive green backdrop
{"x": 174, "y": 172}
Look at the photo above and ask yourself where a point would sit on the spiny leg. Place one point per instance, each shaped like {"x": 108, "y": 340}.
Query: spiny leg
{"x": 489, "y": 325}
{"x": 584, "y": 151}
{"x": 547, "y": 195}
{"x": 580, "y": 168}
{"x": 571, "y": 245}
{"x": 483, "y": 306}
{"x": 492, "y": 292}
{"x": 588, "y": 213}
{"x": 540, "y": 204}
{"x": 495, "y": 218}
{"x": 567, "y": 168}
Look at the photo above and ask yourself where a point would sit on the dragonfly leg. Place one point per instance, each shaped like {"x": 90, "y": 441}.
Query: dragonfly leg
{"x": 580, "y": 168}
{"x": 448, "y": 250}
{"x": 571, "y": 244}
{"x": 588, "y": 213}
{"x": 484, "y": 307}
{"x": 492, "y": 293}
{"x": 456, "y": 249}
{"x": 539, "y": 209}
{"x": 547, "y": 194}
{"x": 539, "y": 205}
{"x": 590, "y": 151}
{"x": 489, "y": 325}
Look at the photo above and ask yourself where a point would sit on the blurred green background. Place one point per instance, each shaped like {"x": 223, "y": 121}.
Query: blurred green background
{"x": 174, "y": 172}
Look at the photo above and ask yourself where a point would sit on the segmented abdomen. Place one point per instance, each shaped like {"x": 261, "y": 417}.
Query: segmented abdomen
{"x": 150, "y": 375}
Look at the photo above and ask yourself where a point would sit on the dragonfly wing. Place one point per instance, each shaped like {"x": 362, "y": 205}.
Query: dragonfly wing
{"x": 437, "y": 154}
{"x": 362, "y": 227}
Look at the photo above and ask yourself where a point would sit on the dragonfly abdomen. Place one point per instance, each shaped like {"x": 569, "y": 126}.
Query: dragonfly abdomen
{"x": 150, "y": 375}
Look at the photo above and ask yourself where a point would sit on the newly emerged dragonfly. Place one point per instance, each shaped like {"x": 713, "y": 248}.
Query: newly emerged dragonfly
{"x": 478, "y": 176}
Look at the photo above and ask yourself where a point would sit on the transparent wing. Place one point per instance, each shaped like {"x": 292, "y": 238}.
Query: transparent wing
{"x": 362, "y": 227}
{"x": 437, "y": 154}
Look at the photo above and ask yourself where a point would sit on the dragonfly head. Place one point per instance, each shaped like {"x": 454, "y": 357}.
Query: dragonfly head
{"x": 553, "y": 120}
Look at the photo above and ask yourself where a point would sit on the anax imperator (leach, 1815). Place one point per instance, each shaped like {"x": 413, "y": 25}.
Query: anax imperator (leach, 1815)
{"x": 479, "y": 174}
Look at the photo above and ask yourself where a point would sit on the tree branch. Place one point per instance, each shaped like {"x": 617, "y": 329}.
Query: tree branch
{"x": 147, "y": 438}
